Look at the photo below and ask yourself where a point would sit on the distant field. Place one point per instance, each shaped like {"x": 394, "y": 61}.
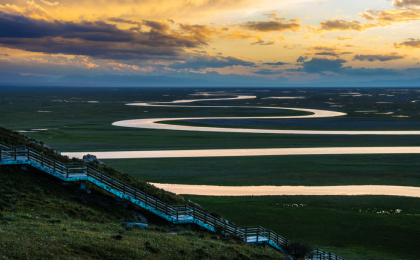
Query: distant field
{"x": 75, "y": 125}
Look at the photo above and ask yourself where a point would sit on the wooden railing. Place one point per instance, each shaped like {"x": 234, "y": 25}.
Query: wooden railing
{"x": 176, "y": 213}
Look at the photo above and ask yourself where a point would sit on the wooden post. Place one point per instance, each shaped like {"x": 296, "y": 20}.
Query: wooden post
{"x": 246, "y": 234}
{"x": 42, "y": 160}
{"x": 14, "y": 153}
{"x": 269, "y": 235}
{"x": 146, "y": 199}
{"x": 277, "y": 239}
{"x": 176, "y": 214}
{"x": 205, "y": 217}
{"x": 135, "y": 193}
{"x": 235, "y": 230}
{"x": 258, "y": 232}
{"x": 156, "y": 203}
{"x": 53, "y": 165}
{"x": 166, "y": 209}
{"x": 28, "y": 154}
{"x": 124, "y": 188}
{"x": 67, "y": 171}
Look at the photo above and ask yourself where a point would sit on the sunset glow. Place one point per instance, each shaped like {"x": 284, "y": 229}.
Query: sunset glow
{"x": 278, "y": 42}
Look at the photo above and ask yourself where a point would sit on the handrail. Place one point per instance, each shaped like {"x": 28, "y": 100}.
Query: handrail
{"x": 176, "y": 213}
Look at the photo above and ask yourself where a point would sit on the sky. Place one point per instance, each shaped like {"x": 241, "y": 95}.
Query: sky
{"x": 281, "y": 41}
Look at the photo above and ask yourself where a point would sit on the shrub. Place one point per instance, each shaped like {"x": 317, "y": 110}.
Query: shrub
{"x": 298, "y": 249}
{"x": 26, "y": 215}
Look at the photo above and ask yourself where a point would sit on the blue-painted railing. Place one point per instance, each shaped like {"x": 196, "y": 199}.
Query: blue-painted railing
{"x": 176, "y": 214}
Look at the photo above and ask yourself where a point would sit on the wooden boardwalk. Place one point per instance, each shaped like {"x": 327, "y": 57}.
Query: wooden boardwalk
{"x": 176, "y": 214}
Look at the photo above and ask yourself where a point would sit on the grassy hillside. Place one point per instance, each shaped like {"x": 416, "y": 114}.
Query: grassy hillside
{"x": 44, "y": 218}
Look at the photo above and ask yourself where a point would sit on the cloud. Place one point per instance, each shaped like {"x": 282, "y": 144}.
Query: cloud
{"x": 279, "y": 63}
{"x": 290, "y": 45}
{"x": 121, "y": 20}
{"x": 4, "y": 54}
{"x": 260, "y": 41}
{"x": 327, "y": 53}
{"x": 267, "y": 72}
{"x": 301, "y": 59}
{"x": 406, "y": 3}
{"x": 199, "y": 32}
{"x": 326, "y": 66}
{"x": 409, "y": 44}
{"x": 378, "y": 57}
{"x": 203, "y": 61}
{"x": 343, "y": 38}
{"x": 389, "y": 17}
{"x": 158, "y": 26}
{"x": 273, "y": 25}
{"x": 271, "y": 15}
{"x": 342, "y": 25}
{"x": 96, "y": 39}
{"x": 238, "y": 35}
{"x": 49, "y": 3}
{"x": 32, "y": 10}
{"x": 320, "y": 65}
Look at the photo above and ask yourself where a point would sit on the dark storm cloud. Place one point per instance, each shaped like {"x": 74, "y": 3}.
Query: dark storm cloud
{"x": 203, "y": 62}
{"x": 96, "y": 39}
{"x": 386, "y": 57}
{"x": 4, "y": 54}
{"x": 275, "y": 63}
{"x": 267, "y": 72}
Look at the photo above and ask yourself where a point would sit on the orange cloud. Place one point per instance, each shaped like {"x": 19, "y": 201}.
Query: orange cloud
{"x": 342, "y": 38}
{"x": 406, "y": 3}
{"x": 409, "y": 44}
{"x": 342, "y": 25}
{"x": 238, "y": 35}
{"x": 277, "y": 24}
{"x": 32, "y": 10}
{"x": 389, "y": 17}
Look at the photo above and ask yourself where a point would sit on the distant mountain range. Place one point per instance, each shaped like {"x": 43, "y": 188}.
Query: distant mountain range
{"x": 16, "y": 79}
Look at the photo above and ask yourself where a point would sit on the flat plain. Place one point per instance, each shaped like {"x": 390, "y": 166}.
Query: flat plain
{"x": 66, "y": 119}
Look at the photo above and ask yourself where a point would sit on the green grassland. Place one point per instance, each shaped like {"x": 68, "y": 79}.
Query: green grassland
{"x": 349, "y": 226}
{"x": 43, "y": 218}
{"x": 310, "y": 170}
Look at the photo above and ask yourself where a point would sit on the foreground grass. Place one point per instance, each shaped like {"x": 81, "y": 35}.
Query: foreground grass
{"x": 41, "y": 218}
{"x": 354, "y": 227}
{"x": 310, "y": 170}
